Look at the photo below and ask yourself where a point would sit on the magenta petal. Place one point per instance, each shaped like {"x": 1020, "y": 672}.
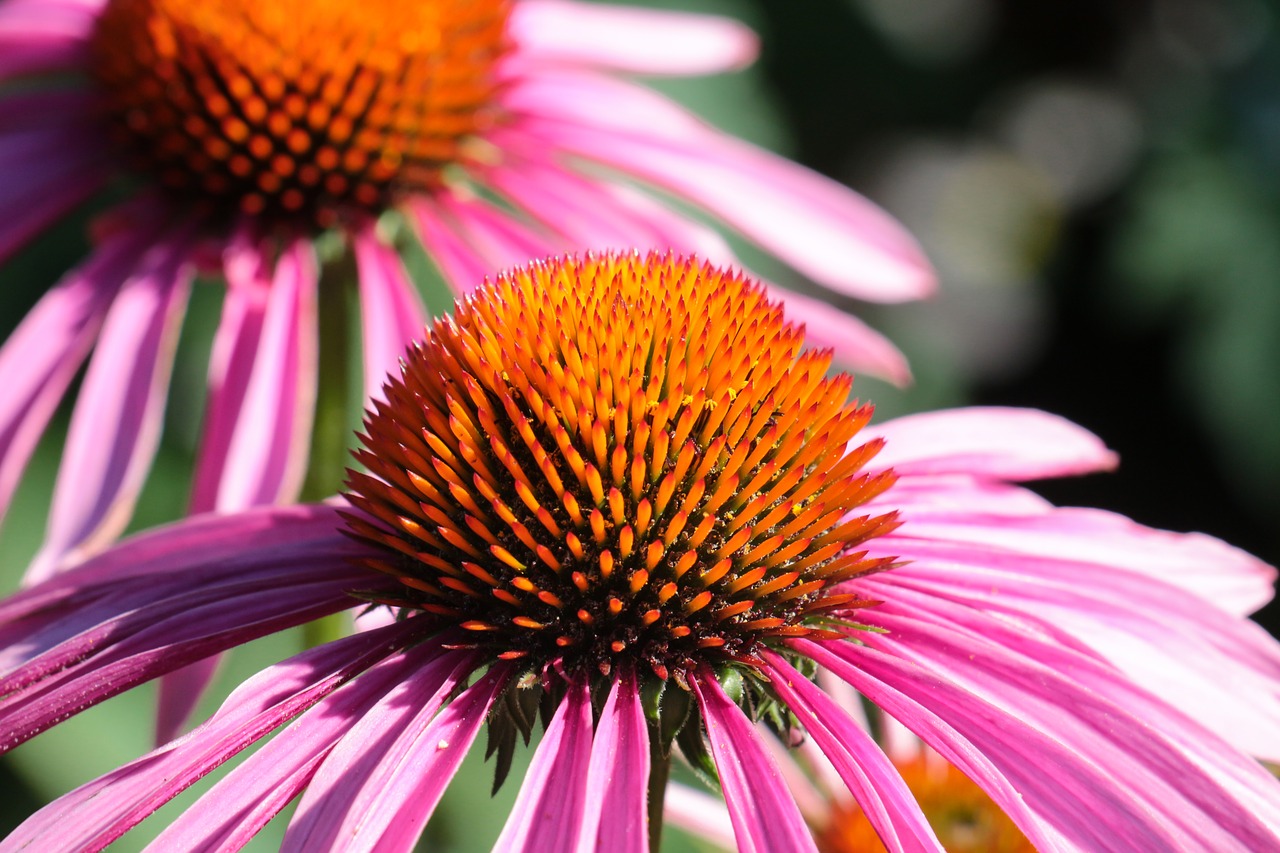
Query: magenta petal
{"x": 116, "y": 424}
{"x": 765, "y": 817}
{"x": 383, "y": 780}
{"x": 262, "y": 384}
{"x": 622, "y": 38}
{"x": 996, "y": 443}
{"x": 870, "y": 776}
{"x": 391, "y": 311}
{"x": 41, "y": 357}
{"x": 615, "y": 815}
{"x": 548, "y": 813}
{"x": 98, "y": 812}
{"x": 699, "y": 813}
{"x": 44, "y": 183}
{"x": 502, "y": 240}
{"x": 462, "y": 266}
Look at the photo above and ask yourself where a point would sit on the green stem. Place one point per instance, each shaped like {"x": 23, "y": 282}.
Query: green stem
{"x": 659, "y": 772}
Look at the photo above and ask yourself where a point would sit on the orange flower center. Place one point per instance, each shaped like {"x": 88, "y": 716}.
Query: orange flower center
{"x": 619, "y": 459}
{"x": 963, "y": 816}
{"x": 297, "y": 108}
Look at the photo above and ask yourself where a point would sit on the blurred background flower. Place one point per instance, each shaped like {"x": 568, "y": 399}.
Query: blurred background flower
{"x": 1099, "y": 186}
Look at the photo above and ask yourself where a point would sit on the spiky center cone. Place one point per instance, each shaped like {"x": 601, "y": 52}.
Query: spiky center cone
{"x": 297, "y": 108}
{"x": 619, "y": 460}
{"x": 964, "y": 818}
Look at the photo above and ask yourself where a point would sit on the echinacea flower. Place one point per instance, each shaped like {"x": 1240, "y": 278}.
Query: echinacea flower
{"x": 242, "y": 131}
{"x": 614, "y": 494}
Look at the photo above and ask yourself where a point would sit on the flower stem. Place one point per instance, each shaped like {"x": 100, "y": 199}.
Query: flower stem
{"x": 659, "y": 772}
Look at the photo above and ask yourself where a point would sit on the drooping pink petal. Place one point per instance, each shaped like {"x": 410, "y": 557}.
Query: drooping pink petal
{"x": 621, "y": 38}
{"x": 262, "y": 385}
{"x": 995, "y": 443}
{"x": 383, "y": 780}
{"x": 462, "y": 266}
{"x": 98, "y": 812}
{"x": 501, "y": 239}
{"x": 821, "y": 228}
{"x": 765, "y": 817}
{"x": 391, "y": 311}
{"x": 115, "y": 427}
{"x": 700, "y": 813}
{"x": 875, "y": 783}
{"x": 233, "y": 810}
{"x": 1217, "y": 572}
{"x": 615, "y": 814}
{"x": 549, "y": 811}
{"x": 42, "y": 356}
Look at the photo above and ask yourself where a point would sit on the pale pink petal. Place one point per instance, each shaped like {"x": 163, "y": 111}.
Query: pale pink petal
{"x": 699, "y": 813}
{"x": 548, "y": 813}
{"x": 384, "y": 800}
{"x": 391, "y": 311}
{"x": 629, "y": 39}
{"x": 1213, "y": 795}
{"x": 100, "y": 811}
{"x": 875, "y": 783}
{"x": 368, "y": 759}
{"x": 821, "y": 228}
{"x": 996, "y": 443}
{"x": 765, "y": 817}
{"x": 43, "y": 354}
{"x": 615, "y": 814}
{"x": 115, "y": 428}
{"x": 262, "y": 387}
{"x": 1217, "y": 572}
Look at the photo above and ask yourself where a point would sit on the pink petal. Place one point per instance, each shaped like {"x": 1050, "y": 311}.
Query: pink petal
{"x": 615, "y": 815}
{"x": 853, "y": 343}
{"x": 549, "y": 811}
{"x": 501, "y": 239}
{"x": 116, "y": 424}
{"x": 1214, "y": 795}
{"x": 698, "y": 813}
{"x": 621, "y": 38}
{"x": 765, "y": 817}
{"x": 262, "y": 385}
{"x": 392, "y": 313}
{"x": 48, "y": 172}
{"x": 42, "y": 356}
{"x": 816, "y": 225}
{"x": 98, "y": 812}
{"x": 462, "y": 266}
{"x": 369, "y": 798}
{"x": 875, "y": 783}
{"x": 1001, "y": 444}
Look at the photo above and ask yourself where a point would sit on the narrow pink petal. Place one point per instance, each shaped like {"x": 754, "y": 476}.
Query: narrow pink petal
{"x": 178, "y": 694}
{"x": 98, "y": 812}
{"x": 549, "y": 811}
{"x": 502, "y": 240}
{"x": 853, "y": 343}
{"x": 381, "y": 783}
{"x": 875, "y": 783}
{"x": 615, "y": 815}
{"x": 233, "y": 810}
{"x": 818, "y": 226}
{"x": 1217, "y": 572}
{"x": 42, "y": 356}
{"x": 1189, "y": 779}
{"x": 1002, "y": 444}
{"x": 462, "y": 266}
{"x": 262, "y": 386}
{"x": 621, "y": 38}
{"x": 116, "y": 424}
{"x": 698, "y": 813}
{"x": 765, "y": 817}
{"x": 391, "y": 311}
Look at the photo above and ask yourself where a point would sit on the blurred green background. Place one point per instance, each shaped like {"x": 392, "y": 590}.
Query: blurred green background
{"x": 1098, "y": 183}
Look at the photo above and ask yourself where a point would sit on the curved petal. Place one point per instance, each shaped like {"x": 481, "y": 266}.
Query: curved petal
{"x": 43, "y": 354}
{"x": 615, "y": 815}
{"x": 621, "y": 38}
{"x": 816, "y": 225}
{"x": 995, "y": 443}
{"x": 391, "y": 311}
{"x": 870, "y": 776}
{"x": 699, "y": 813}
{"x": 549, "y": 811}
{"x": 765, "y": 817}
{"x": 95, "y": 814}
{"x": 462, "y": 266}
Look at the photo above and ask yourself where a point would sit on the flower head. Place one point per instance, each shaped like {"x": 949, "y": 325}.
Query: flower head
{"x": 1029, "y": 646}
{"x": 245, "y": 133}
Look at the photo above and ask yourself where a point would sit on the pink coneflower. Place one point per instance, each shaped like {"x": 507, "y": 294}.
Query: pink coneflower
{"x": 616, "y": 492}
{"x": 242, "y": 131}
